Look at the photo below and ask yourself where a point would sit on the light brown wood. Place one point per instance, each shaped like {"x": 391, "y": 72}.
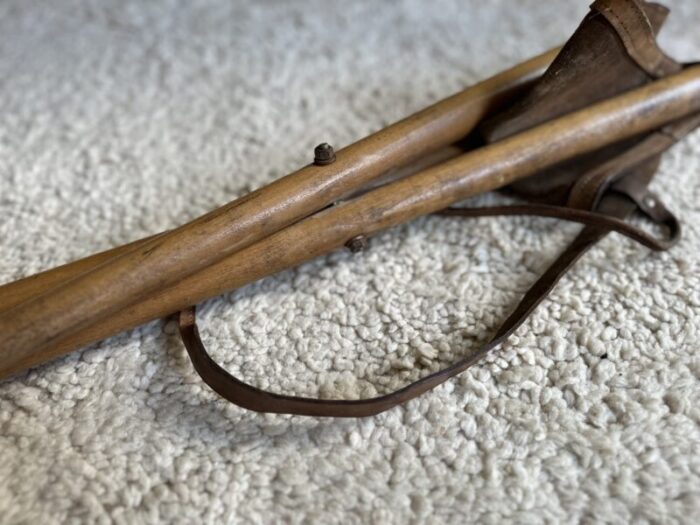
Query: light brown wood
{"x": 17, "y": 292}
{"x": 129, "y": 276}
{"x": 485, "y": 169}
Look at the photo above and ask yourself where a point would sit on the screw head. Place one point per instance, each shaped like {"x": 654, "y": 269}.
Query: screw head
{"x": 324, "y": 154}
{"x": 357, "y": 244}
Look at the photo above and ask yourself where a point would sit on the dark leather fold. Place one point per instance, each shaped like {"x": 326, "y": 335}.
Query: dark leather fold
{"x": 594, "y": 65}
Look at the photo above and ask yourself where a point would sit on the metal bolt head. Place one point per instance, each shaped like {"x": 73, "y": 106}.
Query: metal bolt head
{"x": 357, "y": 244}
{"x": 324, "y": 154}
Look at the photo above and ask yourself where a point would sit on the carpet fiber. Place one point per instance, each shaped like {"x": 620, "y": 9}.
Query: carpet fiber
{"x": 123, "y": 119}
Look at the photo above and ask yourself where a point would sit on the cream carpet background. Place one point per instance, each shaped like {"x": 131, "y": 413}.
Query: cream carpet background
{"x": 122, "y": 119}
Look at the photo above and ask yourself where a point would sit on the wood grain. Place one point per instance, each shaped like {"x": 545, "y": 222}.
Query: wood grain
{"x": 31, "y": 287}
{"x": 487, "y": 168}
{"x": 126, "y": 276}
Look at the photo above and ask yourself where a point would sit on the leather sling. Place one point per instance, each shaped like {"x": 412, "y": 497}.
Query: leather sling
{"x": 617, "y": 40}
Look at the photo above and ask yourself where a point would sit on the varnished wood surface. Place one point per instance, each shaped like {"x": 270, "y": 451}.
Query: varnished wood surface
{"x": 485, "y": 169}
{"x": 17, "y": 292}
{"x": 127, "y": 276}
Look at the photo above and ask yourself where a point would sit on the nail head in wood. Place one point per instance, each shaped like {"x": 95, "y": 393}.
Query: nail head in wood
{"x": 324, "y": 154}
{"x": 357, "y": 244}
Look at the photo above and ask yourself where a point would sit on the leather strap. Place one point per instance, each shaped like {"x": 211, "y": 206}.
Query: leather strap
{"x": 651, "y": 206}
{"x": 609, "y": 216}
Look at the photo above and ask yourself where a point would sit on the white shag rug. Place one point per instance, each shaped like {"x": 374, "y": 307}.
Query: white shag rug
{"x": 122, "y": 119}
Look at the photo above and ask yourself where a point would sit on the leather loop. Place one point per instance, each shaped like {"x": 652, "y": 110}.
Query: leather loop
{"x": 614, "y": 207}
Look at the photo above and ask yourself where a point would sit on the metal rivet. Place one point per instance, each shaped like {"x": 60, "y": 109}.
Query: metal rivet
{"x": 324, "y": 154}
{"x": 357, "y": 244}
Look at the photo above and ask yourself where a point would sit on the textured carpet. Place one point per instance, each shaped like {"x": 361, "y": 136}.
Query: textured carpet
{"x": 122, "y": 119}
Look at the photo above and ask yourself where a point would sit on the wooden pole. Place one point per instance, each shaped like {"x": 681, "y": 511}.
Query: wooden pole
{"x": 128, "y": 276}
{"x": 31, "y": 287}
{"x": 487, "y": 168}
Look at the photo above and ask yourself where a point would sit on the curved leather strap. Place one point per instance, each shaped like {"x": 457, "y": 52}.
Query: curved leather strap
{"x": 613, "y": 207}
{"x": 651, "y": 206}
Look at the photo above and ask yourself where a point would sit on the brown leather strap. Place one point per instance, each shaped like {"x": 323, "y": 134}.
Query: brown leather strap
{"x": 651, "y": 206}
{"x": 612, "y": 209}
